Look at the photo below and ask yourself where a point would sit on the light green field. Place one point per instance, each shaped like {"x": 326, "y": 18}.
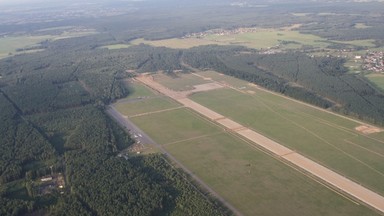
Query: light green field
{"x": 377, "y": 79}
{"x": 145, "y": 105}
{"x": 176, "y": 43}
{"x": 362, "y": 26}
{"x": 9, "y": 44}
{"x": 172, "y": 126}
{"x": 363, "y": 43}
{"x": 182, "y": 81}
{"x": 261, "y": 39}
{"x": 323, "y": 137}
{"x": 116, "y": 46}
{"x": 249, "y": 179}
{"x": 138, "y": 90}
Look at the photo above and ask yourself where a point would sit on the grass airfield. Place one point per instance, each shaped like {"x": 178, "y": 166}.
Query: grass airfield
{"x": 250, "y": 179}
{"x": 260, "y": 39}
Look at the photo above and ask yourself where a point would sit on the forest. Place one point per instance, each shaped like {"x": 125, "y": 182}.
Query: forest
{"x": 53, "y": 101}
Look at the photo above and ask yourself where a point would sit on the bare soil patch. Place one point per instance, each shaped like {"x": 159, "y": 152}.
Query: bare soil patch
{"x": 368, "y": 129}
{"x": 206, "y": 87}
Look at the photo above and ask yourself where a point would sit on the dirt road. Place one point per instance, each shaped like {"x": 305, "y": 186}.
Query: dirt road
{"x": 330, "y": 177}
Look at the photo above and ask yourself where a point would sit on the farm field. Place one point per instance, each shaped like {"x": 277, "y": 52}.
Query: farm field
{"x": 179, "y": 81}
{"x": 138, "y": 90}
{"x": 10, "y": 44}
{"x": 325, "y": 138}
{"x": 377, "y": 79}
{"x": 145, "y": 105}
{"x": 260, "y": 39}
{"x": 115, "y": 46}
{"x": 251, "y": 180}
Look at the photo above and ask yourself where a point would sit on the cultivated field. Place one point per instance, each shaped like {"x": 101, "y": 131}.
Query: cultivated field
{"x": 328, "y": 139}
{"x": 377, "y": 79}
{"x": 262, "y": 38}
{"x": 144, "y": 105}
{"x": 254, "y": 182}
{"x": 115, "y": 46}
{"x": 179, "y": 81}
{"x": 9, "y": 44}
{"x": 138, "y": 90}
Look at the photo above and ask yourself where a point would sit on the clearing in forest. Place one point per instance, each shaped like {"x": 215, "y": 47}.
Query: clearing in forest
{"x": 253, "y": 181}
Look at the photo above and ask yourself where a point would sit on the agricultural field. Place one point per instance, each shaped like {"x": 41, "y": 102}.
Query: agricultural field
{"x": 179, "y": 81}
{"x": 377, "y": 79}
{"x": 251, "y": 180}
{"x": 138, "y": 90}
{"x": 341, "y": 144}
{"x": 115, "y": 46}
{"x": 145, "y": 105}
{"x": 260, "y": 39}
{"x": 10, "y": 44}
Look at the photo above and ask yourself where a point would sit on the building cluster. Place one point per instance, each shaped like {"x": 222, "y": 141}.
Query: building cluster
{"x": 374, "y": 61}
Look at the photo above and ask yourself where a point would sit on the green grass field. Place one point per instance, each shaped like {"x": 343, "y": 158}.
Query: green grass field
{"x": 145, "y": 105}
{"x": 116, "y": 46}
{"x": 362, "y": 26}
{"x": 377, "y": 79}
{"x": 251, "y": 180}
{"x": 137, "y": 90}
{"x": 172, "y": 126}
{"x": 323, "y": 137}
{"x": 180, "y": 82}
{"x": 262, "y": 38}
{"x": 9, "y": 44}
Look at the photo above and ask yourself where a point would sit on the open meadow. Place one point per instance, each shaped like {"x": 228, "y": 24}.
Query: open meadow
{"x": 377, "y": 79}
{"x": 250, "y": 179}
{"x": 346, "y": 146}
{"x": 179, "y": 81}
{"x": 259, "y": 39}
{"x": 10, "y": 45}
{"x": 115, "y": 46}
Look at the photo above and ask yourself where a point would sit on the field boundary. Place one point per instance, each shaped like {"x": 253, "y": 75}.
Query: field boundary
{"x": 323, "y": 173}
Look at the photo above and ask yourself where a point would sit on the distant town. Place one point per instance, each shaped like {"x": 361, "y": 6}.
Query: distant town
{"x": 374, "y": 61}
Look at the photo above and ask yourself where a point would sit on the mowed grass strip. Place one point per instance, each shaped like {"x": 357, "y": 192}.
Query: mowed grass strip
{"x": 145, "y": 105}
{"x": 115, "y": 46}
{"x": 138, "y": 90}
{"x": 179, "y": 81}
{"x": 331, "y": 141}
{"x": 256, "y": 183}
{"x": 251, "y": 180}
{"x": 175, "y": 125}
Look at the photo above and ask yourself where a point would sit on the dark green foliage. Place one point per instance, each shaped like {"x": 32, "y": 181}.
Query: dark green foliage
{"x": 319, "y": 81}
{"x": 14, "y": 207}
{"x": 52, "y": 102}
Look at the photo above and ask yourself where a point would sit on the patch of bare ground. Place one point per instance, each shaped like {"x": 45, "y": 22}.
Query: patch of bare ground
{"x": 368, "y": 129}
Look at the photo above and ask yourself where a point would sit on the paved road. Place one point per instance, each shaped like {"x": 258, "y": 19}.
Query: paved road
{"x": 145, "y": 139}
{"x": 338, "y": 181}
